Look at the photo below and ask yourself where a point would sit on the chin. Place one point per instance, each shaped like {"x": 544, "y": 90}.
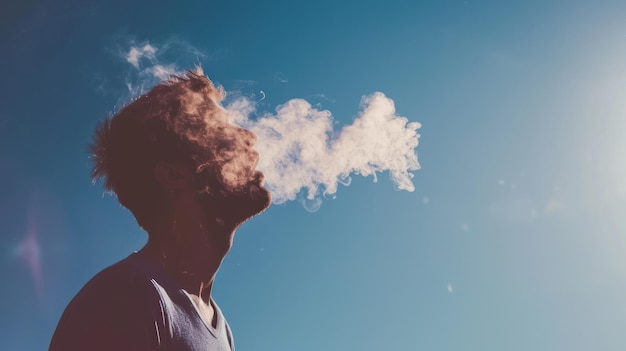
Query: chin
{"x": 240, "y": 206}
{"x": 258, "y": 201}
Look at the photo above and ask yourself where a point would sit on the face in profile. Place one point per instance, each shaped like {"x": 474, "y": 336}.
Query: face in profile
{"x": 230, "y": 184}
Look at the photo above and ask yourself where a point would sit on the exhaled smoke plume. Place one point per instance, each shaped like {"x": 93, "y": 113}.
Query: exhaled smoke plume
{"x": 300, "y": 150}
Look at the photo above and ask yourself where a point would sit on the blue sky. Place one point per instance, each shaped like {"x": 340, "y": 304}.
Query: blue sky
{"x": 515, "y": 235}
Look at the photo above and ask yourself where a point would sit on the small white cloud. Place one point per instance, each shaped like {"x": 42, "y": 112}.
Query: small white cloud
{"x": 262, "y": 95}
{"x": 501, "y": 182}
{"x": 450, "y": 288}
{"x": 465, "y": 227}
{"x": 425, "y": 200}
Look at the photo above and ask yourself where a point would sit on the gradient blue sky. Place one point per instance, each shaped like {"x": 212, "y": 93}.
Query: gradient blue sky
{"x": 514, "y": 238}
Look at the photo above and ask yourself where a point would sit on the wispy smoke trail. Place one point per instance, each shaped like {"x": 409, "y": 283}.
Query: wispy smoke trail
{"x": 301, "y": 151}
{"x": 150, "y": 72}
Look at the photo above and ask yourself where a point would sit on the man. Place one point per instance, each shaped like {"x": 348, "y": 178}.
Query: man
{"x": 188, "y": 175}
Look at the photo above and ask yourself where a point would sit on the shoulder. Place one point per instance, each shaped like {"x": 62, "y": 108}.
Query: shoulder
{"x": 123, "y": 279}
{"x": 117, "y": 302}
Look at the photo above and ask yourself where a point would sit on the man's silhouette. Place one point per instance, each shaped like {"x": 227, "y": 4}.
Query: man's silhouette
{"x": 188, "y": 175}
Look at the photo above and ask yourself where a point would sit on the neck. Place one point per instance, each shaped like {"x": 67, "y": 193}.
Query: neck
{"x": 190, "y": 257}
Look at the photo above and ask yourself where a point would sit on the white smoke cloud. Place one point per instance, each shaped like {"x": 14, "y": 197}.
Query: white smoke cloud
{"x": 302, "y": 156}
{"x": 300, "y": 151}
{"x": 136, "y": 53}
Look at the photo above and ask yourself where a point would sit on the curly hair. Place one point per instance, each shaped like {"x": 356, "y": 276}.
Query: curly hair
{"x": 170, "y": 123}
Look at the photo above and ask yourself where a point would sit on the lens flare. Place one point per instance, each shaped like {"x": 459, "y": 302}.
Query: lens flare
{"x": 29, "y": 252}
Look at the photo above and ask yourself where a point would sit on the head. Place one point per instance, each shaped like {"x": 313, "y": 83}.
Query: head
{"x": 181, "y": 124}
